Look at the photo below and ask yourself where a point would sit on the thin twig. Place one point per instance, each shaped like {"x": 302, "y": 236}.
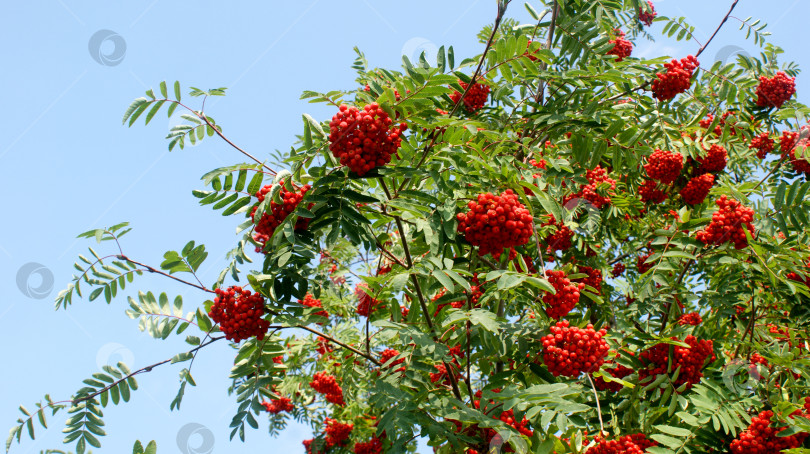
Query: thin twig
{"x": 153, "y": 270}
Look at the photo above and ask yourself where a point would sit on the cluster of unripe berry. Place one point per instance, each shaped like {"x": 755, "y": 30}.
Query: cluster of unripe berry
{"x": 566, "y": 297}
{"x": 327, "y": 385}
{"x": 675, "y": 80}
{"x": 622, "y": 48}
{"x": 475, "y": 98}
{"x": 495, "y": 222}
{"x": 762, "y": 438}
{"x": 239, "y": 314}
{"x": 570, "y": 350}
{"x": 690, "y": 360}
{"x": 364, "y": 139}
{"x": 728, "y": 224}
{"x": 278, "y": 212}
{"x": 775, "y": 91}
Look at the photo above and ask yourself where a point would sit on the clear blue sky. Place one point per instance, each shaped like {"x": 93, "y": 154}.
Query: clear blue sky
{"x": 69, "y": 165}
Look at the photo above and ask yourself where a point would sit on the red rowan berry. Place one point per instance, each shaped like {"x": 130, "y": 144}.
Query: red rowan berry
{"x": 618, "y": 269}
{"x": 475, "y": 98}
{"x": 690, "y": 360}
{"x": 692, "y": 318}
{"x": 622, "y": 48}
{"x": 763, "y": 144}
{"x": 266, "y": 225}
{"x": 646, "y": 17}
{"x": 566, "y": 296}
{"x": 715, "y": 160}
{"x": 728, "y": 223}
{"x": 649, "y": 192}
{"x": 675, "y": 80}
{"x": 364, "y": 139}
{"x": 775, "y": 91}
{"x": 239, "y": 314}
{"x": 373, "y": 446}
{"x": 496, "y": 222}
{"x": 697, "y": 189}
{"x": 570, "y": 351}
{"x": 762, "y": 438}
{"x": 326, "y": 384}
{"x": 310, "y": 301}
{"x": 664, "y": 166}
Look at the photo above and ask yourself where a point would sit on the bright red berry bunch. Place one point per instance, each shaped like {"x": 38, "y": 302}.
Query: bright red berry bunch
{"x": 664, "y": 166}
{"x": 239, "y": 314}
{"x": 475, "y": 98}
{"x": 594, "y": 278}
{"x": 646, "y": 17}
{"x": 696, "y": 190}
{"x": 596, "y": 177}
{"x": 715, "y": 159}
{"x": 337, "y": 433}
{"x": 690, "y": 360}
{"x": 311, "y": 301}
{"x": 762, "y": 438}
{"x": 692, "y": 318}
{"x": 675, "y": 80}
{"x": 282, "y": 404}
{"x": 364, "y": 139}
{"x": 763, "y": 144}
{"x": 270, "y": 220}
{"x": 387, "y": 355}
{"x": 622, "y": 48}
{"x": 373, "y": 446}
{"x": 489, "y": 435}
{"x": 788, "y": 142}
{"x": 366, "y": 303}
{"x": 618, "y": 269}
{"x": 617, "y": 371}
{"x": 718, "y": 130}
{"x": 641, "y": 263}
{"x": 728, "y": 223}
{"x": 628, "y": 444}
{"x": 801, "y": 163}
{"x": 775, "y": 91}
{"x": 570, "y": 351}
{"x": 327, "y": 385}
{"x": 649, "y": 192}
{"x": 567, "y": 296}
{"x": 496, "y": 222}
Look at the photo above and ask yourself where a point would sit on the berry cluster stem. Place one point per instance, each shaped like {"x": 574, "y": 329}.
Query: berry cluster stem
{"x": 153, "y": 270}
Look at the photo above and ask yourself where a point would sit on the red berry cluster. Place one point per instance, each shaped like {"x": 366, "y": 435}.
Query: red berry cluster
{"x": 327, "y": 385}
{"x": 692, "y": 318}
{"x": 646, "y": 17}
{"x": 373, "y": 446}
{"x": 366, "y": 303}
{"x": 728, "y": 223}
{"x": 618, "y": 269}
{"x": 278, "y": 405}
{"x": 763, "y": 144}
{"x": 775, "y": 91}
{"x": 617, "y": 371}
{"x": 696, "y": 190}
{"x": 388, "y": 355}
{"x": 801, "y": 163}
{"x": 441, "y": 375}
{"x": 628, "y": 444}
{"x": 622, "y": 48}
{"x": 664, "y": 166}
{"x": 496, "y": 222}
{"x": 560, "y": 240}
{"x": 596, "y": 177}
{"x": 594, "y": 278}
{"x": 310, "y": 301}
{"x": 690, "y": 360}
{"x": 715, "y": 160}
{"x": 762, "y": 438}
{"x": 649, "y": 192}
{"x": 239, "y": 314}
{"x": 718, "y": 130}
{"x": 570, "y": 351}
{"x": 788, "y": 141}
{"x": 323, "y": 346}
{"x": 641, "y": 263}
{"x": 364, "y": 139}
{"x": 337, "y": 433}
{"x": 475, "y": 98}
{"x": 489, "y": 435}
{"x": 270, "y": 220}
{"x": 675, "y": 80}
{"x": 567, "y": 296}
